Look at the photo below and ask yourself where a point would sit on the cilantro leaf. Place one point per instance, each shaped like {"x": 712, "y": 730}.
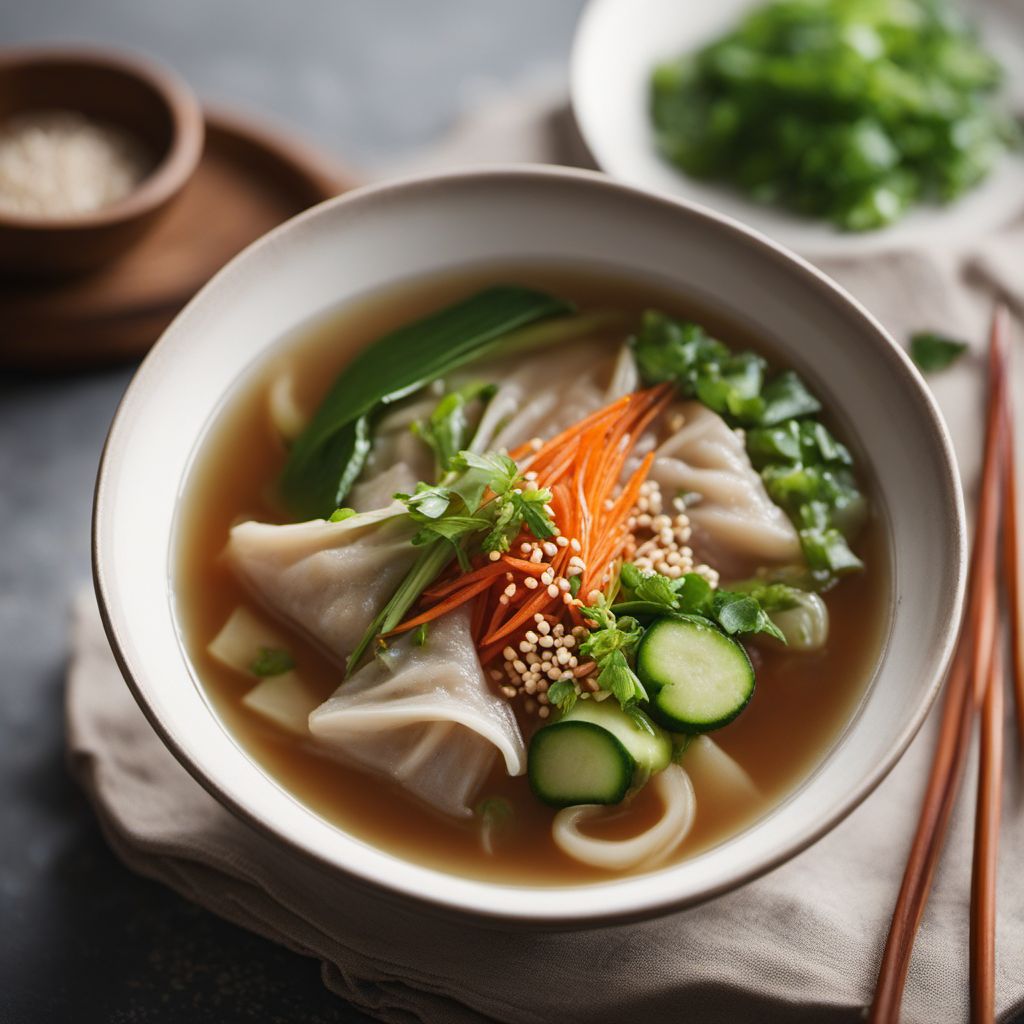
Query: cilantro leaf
{"x": 562, "y": 694}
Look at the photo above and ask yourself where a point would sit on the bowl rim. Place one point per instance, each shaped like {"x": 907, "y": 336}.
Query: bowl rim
{"x": 167, "y": 177}
{"x": 899, "y": 362}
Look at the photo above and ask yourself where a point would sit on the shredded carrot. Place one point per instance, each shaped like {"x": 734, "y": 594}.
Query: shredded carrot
{"x": 582, "y": 467}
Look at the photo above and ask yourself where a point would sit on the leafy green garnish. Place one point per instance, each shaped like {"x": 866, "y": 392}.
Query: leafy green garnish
{"x": 419, "y": 636}
{"x": 804, "y": 468}
{"x": 271, "y": 661}
{"x": 649, "y": 594}
{"x": 329, "y": 455}
{"x": 447, "y": 430}
{"x": 562, "y": 694}
{"x": 932, "y": 352}
{"x": 612, "y": 647}
{"x": 339, "y": 515}
{"x": 848, "y": 110}
{"x": 455, "y": 521}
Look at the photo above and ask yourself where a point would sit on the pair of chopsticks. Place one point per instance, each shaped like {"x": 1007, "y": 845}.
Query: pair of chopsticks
{"x": 974, "y": 684}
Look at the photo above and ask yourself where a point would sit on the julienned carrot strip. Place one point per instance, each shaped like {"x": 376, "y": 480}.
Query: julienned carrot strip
{"x": 498, "y": 568}
{"x": 569, "y": 433}
{"x": 442, "y": 607}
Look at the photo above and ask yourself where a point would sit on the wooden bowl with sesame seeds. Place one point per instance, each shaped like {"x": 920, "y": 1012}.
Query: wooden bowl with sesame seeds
{"x": 373, "y": 238}
{"x": 94, "y": 146}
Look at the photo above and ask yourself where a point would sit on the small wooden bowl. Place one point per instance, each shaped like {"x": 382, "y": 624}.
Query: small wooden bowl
{"x": 143, "y": 100}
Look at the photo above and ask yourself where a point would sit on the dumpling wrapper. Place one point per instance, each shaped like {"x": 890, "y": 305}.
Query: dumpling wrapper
{"x": 734, "y": 518}
{"x": 328, "y": 580}
{"x": 426, "y": 717}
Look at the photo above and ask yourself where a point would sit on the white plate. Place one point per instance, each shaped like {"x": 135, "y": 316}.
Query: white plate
{"x": 618, "y": 44}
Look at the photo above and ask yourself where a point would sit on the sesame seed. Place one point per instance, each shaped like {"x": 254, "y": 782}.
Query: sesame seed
{"x": 509, "y": 691}
{"x": 519, "y": 666}
{"x": 546, "y": 641}
{"x": 543, "y": 626}
{"x": 508, "y": 654}
{"x": 536, "y": 555}
{"x": 510, "y": 590}
{"x": 530, "y": 583}
{"x": 548, "y": 576}
{"x": 544, "y": 712}
{"x": 531, "y": 636}
{"x": 553, "y": 591}
{"x": 562, "y": 542}
{"x": 575, "y": 545}
{"x": 549, "y": 549}
{"x": 503, "y": 600}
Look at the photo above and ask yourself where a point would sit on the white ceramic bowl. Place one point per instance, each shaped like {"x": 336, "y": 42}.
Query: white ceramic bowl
{"x": 619, "y": 42}
{"x": 370, "y": 238}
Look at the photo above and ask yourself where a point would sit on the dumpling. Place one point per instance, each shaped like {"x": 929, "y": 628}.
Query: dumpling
{"x": 733, "y": 518}
{"x": 425, "y": 716}
{"x": 576, "y": 380}
{"x": 328, "y": 580}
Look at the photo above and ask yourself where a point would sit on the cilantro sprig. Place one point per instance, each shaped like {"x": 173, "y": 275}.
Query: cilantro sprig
{"x": 480, "y": 505}
{"x": 733, "y": 612}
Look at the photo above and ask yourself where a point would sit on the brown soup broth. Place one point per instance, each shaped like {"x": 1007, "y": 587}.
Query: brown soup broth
{"x": 801, "y": 704}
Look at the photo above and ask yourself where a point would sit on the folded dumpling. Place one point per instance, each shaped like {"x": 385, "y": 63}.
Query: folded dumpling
{"x": 424, "y": 714}
{"x": 732, "y": 516}
{"x": 576, "y": 379}
{"x": 328, "y": 580}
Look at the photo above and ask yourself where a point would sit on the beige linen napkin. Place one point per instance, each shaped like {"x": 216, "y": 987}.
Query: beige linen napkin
{"x": 801, "y": 944}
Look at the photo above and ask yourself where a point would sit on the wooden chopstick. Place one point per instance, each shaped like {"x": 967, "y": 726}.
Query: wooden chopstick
{"x": 1011, "y": 567}
{"x": 986, "y": 847}
{"x": 958, "y": 708}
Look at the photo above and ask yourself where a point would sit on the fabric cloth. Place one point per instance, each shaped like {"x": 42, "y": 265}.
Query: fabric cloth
{"x": 801, "y": 944}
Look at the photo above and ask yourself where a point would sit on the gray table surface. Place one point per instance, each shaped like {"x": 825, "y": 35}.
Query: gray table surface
{"x": 80, "y": 937}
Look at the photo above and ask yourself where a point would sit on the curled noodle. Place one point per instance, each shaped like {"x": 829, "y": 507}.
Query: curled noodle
{"x": 675, "y": 791}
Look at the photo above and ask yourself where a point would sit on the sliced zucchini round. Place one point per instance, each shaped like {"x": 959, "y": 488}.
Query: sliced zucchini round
{"x": 575, "y": 762}
{"x": 648, "y": 744}
{"x": 698, "y": 678}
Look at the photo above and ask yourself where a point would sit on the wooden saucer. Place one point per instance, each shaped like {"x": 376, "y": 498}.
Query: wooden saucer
{"x": 249, "y": 180}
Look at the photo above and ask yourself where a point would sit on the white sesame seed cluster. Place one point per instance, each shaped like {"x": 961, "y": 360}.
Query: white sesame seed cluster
{"x": 549, "y": 651}
{"x": 659, "y": 541}
{"x": 546, "y": 654}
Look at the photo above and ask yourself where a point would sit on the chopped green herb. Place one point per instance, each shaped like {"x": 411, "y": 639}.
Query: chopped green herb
{"x": 846, "y": 110}
{"x": 271, "y": 662}
{"x": 932, "y": 352}
{"x": 341, "y": 514}
{"x": 562, "y": 694}
{"x": 612, "y": 647}
{"x": 447, "y": 430}
{"x": 419, "y": 636}
{"x": 648, "y": 594}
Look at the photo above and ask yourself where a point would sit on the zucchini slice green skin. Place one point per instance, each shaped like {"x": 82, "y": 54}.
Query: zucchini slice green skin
{"x": 576, "y": 762}
{"x": 698, "y": 678}
{"x": 650, "y": 747}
